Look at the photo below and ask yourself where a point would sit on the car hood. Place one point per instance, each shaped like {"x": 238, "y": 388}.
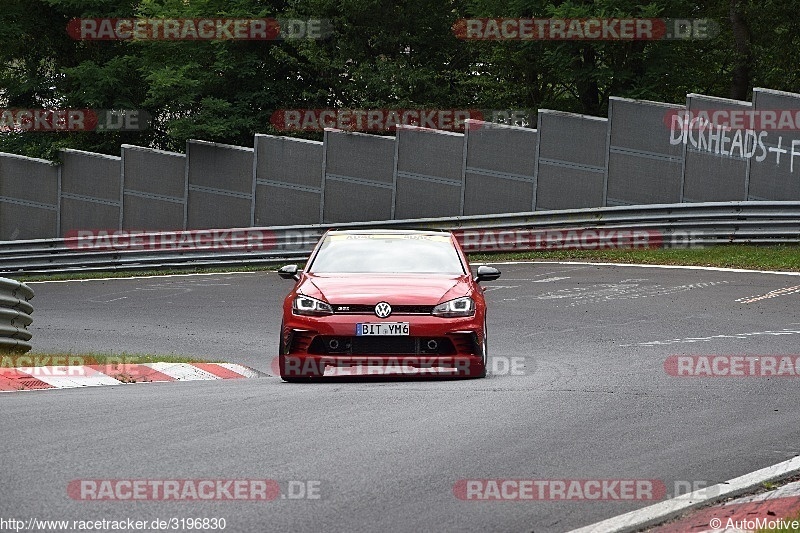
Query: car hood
{"x": 396, "y": 289}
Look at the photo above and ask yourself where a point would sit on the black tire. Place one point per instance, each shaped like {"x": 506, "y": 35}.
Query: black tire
{"x": 284, "y": 376}
{"x": 484, "y": 350}
{"x": 282, "y": 359}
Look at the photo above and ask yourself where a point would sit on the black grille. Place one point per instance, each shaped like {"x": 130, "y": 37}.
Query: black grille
{"x": 466, "y": 343}
{"x": 367, "y": 345}
{"x": 299, "y": 341}
{"x": 364, "y": 309}
{"x": 379, "y": 345}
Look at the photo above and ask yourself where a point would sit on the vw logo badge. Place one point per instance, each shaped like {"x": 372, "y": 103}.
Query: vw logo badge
{"x": 382, "y": 310}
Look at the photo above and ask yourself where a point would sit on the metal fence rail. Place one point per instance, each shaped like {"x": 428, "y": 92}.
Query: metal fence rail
{"x": 15, "y": 315}
{"x": 652, "y": 226}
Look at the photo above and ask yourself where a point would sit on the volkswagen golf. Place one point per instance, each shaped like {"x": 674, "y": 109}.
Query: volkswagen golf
{"x": 384, "y": 302}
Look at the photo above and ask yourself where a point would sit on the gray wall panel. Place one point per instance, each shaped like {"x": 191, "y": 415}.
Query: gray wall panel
{"x": 643, "y": 126}
{"x": 418, "y": 199}
{"x": 26, "y": 222}
{"x": 91, "y": 191}
{"x": 579, "y": 139}
{"x": 572, "y": 160}
{"x": 25, "y": 178}
{"x": 288, "y": 180}
{"x": 154, "y": 171}
{"x": 151, "y": 214}
{"x": 220, "y": 166}
{"x": 709, "y": 175}
{"x": 289, "y": 160}
{"x": 359, "y": 176}
{"x": 430, "y": 173}
{"x": 500, "y": 148}
{"x": 356, "y": 202}
{"x": 429, "y": 152}
{"x": 644, "y": 167}
{"x": 221, "y": 185}
{"x": 358, "y": 155}
{"x": 82, "y": 215}
{"x": 773, "y": 178}
{"x": 209, "y": 210}
{"x": 276, "y": 206}
{"x": 633, "y": 179}
{"x": 568, "y": 188}
{"x": 90, "y": 174}
{"x": 155, "y": 188}
{"x": 485, "y": 195}
{"x": 500, "y": 168}
{"x": 28, "y": 198}
{"x": 710, "y": 178}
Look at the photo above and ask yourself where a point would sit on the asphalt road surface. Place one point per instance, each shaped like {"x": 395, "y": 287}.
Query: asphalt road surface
{"x": 589, "y": 400}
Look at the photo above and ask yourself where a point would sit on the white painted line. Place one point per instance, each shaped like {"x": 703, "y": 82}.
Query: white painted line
{"x": 663, "y": 511}
{"x": 682, "y": 267}
{"x": 573, "y": 263}
{"x": 182, "y": 371}
{"x": 148, "y": 277}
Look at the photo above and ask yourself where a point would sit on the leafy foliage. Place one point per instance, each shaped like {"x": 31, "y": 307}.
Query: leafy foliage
{"x": 381, "y": 54}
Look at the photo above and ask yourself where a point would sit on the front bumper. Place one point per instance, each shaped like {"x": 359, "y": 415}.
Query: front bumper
{"x": 328, "y": 345}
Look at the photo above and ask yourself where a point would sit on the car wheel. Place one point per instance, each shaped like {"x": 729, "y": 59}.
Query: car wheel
{"x": 282, "y": 369}
{"x": 484, "y": 351}
{"x": 282, "y": 360}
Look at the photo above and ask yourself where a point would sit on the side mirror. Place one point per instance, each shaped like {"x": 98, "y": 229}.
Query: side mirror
{"x": 289, "y": 272}
{"x": 487, "y": 273}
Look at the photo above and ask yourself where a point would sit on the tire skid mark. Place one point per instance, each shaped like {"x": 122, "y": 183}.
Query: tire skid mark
{"x": 618, "y": 291}
{"x": 771, "y": 294}
{"x": 689, "y": 340}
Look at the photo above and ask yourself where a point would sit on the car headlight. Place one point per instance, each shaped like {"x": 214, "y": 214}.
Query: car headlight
{"x": 464, "y": 306}
{"x": 305, "y": 305}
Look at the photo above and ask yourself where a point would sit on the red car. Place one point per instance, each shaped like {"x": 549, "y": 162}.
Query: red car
{"x": 384, "y": 302}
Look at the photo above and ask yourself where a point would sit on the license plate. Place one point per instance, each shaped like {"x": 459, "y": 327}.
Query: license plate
{"x": 382, "y": 328}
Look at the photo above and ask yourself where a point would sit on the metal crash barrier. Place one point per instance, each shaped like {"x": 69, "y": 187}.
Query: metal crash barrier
{"x": 15, "y": 316}
{"x": 683, "y": 225}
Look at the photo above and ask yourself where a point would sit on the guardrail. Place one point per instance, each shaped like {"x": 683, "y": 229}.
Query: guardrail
{"x": 644, "y": 226}
{"x": 15, "y": 315}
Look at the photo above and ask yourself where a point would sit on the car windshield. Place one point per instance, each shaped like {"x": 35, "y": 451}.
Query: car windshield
{"x": 387, "y": 253}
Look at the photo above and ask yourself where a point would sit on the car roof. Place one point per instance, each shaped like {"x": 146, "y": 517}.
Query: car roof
{"x": 387, "y": 232}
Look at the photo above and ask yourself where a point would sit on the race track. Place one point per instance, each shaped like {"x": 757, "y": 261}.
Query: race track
{"x": 593, "y": 402}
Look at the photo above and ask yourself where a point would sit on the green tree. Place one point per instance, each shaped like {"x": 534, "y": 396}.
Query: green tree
{"x": 380, "y": 54}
